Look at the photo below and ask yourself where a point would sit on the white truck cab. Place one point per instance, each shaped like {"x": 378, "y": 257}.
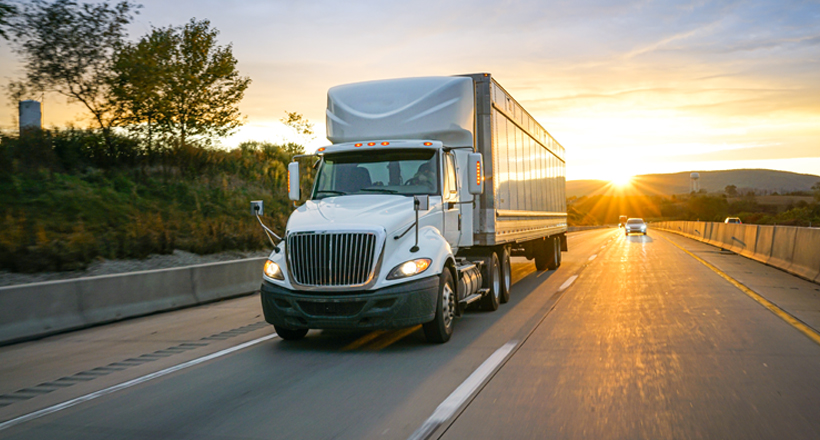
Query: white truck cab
{"x": 389, "y": 234}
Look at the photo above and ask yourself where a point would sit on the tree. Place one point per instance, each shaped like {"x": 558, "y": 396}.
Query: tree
{"x": 137, "y": 85}
{"x": 180, "y": 81}
{"x": 69, "y": 48}
{"x": 731, "y": 190}
{"x": 816, "y": 189}
{"x": 6, "y": 11}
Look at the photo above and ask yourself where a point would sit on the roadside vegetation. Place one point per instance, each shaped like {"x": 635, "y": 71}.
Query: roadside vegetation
{"x": 67, "y": 198}
{"x": 793, "y": 209}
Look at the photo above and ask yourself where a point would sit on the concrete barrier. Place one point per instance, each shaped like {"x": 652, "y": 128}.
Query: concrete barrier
{"x": 763, "y": 245}
{"x": 793, "y": 249}
{"x": 783, "y": 247}
{"x": 806, "y": 258}
{"x": 40, "y": 309}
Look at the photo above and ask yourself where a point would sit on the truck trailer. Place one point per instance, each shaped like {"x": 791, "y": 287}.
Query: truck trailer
{"x": 428, "y": 187}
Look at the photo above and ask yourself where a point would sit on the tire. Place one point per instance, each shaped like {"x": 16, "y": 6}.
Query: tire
{"x": 506, "y": 275}
{"x": 555, "y": 259}
{"x": 290, "y": 334}
{"x": 492, "y": 279}
{"x": 545, "y": 254}
{"x": 440, "y": 328}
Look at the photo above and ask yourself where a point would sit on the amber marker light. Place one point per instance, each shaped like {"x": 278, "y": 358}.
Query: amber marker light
{"x": 288, "y": 181}
{"x": 357, "y": 145}
{"x": 370, "y": 144}
{"x": 385, "y": 143}
{"x": 321, "y": 149}
{"x": 478, "y": 173}
{"x": 427, "y": 144}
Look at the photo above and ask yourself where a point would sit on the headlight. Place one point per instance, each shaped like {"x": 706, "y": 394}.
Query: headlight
{"x": 409, "y": 268}
{"x": 272, "y": 270}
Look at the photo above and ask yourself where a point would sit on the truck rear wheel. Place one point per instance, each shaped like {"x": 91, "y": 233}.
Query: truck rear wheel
{"x": 492, "y": 281}
{"x": 558, "y": 256}
{"x": 506, "y": 275}
{"x": 289, "y": 334}
{"x": 440, "y": 328}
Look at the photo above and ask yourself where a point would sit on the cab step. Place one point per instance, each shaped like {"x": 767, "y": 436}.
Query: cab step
{"x": 473, "y": 298}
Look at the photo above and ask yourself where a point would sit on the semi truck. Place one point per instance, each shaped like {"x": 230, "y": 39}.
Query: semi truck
{"x": 427, "y": 189}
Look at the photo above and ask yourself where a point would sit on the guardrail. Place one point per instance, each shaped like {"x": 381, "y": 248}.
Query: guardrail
{"x": 40, "y": 309}
{"x": 793, "y": 249}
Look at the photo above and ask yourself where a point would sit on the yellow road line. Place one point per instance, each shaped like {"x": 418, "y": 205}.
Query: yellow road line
{"x": 782, "y": 314}
{"x": 392, "y": 337}
{"x": 364, "y": 340}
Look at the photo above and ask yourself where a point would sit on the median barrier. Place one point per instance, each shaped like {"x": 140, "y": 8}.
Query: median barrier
{"x": 783, "y": 247}
{"x": 40, "y": 309}
{"x": 793, "y": 249}
{"x": 806, "y": 258}
{"x": 763, "y": 245}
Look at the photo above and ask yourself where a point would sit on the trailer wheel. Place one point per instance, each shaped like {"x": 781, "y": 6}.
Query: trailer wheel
{"x": 558, "y": 256}
{"x": 493, "y": 282}
{"x": 289, "y": 334}
{"x": 440, "y": 328}
{"x": 506, "y": 275}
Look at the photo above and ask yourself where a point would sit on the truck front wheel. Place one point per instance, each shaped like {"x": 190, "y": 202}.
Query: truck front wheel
{"x": 440, "y": 328}
{"x": 289, "y": 334}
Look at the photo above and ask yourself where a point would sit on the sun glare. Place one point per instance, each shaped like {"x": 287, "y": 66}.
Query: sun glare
{"x": 621, "y": 180}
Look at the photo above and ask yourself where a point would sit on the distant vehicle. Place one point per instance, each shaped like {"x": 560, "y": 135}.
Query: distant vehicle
{"x": 732, "y": 220}
{"x": 622, "y": 221}
{"x": 635, "y": 225}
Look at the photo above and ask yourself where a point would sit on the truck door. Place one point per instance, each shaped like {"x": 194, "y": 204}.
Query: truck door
{"x": 451, "y": 209}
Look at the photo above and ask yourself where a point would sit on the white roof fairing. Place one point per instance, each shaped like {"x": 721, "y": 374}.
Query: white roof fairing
{"x": 440, "y": 108}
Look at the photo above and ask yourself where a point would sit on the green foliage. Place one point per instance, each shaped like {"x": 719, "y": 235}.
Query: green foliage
{"x": 69, "y": 48}
{"x": 731, "y": 190}
{"x": 65, "y": 199}
{"x": 178, "y": 82}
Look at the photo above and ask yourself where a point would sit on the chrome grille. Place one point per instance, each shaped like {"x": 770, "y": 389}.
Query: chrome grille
{"x": 339, "y": 259}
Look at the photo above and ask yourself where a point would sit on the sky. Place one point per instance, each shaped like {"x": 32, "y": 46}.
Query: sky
{"x": 627, "y": 87}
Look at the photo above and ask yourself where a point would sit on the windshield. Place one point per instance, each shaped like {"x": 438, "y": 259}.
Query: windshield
{"x": 403, "y": 172}
{"x": 634, "y": 221}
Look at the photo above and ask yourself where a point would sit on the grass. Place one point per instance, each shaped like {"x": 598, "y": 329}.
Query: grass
{"x": 66, "y": 199}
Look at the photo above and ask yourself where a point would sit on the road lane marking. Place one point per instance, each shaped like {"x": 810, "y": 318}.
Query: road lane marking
{"x": 593, "y": 257}
{"x": 567, "y": 283}
{"x": 391, "y": 337}
{"x": 130, "y": 383}
{"x": 772, "y": 307}
{"x": 363, "y": 340}
{"x": 461, "y": 394}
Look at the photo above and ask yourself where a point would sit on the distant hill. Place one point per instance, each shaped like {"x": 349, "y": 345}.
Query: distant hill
{"x": 711, "y": 181}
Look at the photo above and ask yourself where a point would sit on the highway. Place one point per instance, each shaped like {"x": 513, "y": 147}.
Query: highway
{"x": 632, "y": 337}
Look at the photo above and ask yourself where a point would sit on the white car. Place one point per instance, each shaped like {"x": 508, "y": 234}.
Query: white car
{"x": 634, "y": 225}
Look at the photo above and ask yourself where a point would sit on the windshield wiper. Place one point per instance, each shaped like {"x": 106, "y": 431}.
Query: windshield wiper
{"x": 383, "y": 190}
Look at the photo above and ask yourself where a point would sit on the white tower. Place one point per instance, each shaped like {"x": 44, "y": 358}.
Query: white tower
{"x": 31, "y": 115}
{"x": 694, "y": 184}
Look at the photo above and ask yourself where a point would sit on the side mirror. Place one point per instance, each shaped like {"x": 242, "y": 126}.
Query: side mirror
{"x": 476, "y": 173}
{"x": 293, "y": 181}
{"x": 421, "y": 202}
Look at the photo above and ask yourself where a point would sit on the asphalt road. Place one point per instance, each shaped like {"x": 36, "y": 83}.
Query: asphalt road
{"x": 630, "y": 338}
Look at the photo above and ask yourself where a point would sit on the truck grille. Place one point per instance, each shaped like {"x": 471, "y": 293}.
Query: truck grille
{"x": 343, "y": 259}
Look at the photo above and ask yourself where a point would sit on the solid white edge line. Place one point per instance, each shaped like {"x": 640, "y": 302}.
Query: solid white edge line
{"x": 567, "y": 283}
{"x": 130, "y": 383}
{"x": 457, "y": 398}
{"x": 593, "y": 257}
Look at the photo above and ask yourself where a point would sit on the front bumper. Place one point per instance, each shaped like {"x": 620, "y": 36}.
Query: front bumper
{"x": 398, "y": 306}
{"x": 633, "y": 231}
